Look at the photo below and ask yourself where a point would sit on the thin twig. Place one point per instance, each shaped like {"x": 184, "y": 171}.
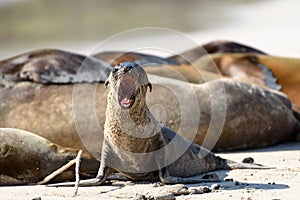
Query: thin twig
{"x": 59, "y": 171}
{"x": 78, "y": 158}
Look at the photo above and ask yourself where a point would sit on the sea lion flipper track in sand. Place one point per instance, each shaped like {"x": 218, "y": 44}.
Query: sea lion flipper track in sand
{"x": 51, "y": 66}
{"x": 138, "y": 146}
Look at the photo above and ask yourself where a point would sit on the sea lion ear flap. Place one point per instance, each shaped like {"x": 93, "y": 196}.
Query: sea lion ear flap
{"x": 150, "y": 87}
{"x": 106, "y": 83}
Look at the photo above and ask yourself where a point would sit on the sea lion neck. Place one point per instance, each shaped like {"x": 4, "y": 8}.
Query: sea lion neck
{"x": 130, "y": 129}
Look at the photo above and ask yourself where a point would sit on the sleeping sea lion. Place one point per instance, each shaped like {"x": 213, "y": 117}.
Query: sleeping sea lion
{"x": 43, "y": 105}
{"x": 26, "y": 158}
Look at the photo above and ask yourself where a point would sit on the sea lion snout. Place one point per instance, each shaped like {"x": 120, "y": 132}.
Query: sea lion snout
{"x": 128, "y": 80}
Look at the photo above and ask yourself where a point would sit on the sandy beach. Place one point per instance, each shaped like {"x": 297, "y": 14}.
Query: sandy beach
{"x": 273, "y": 28}
{"x": 283, "y": 182}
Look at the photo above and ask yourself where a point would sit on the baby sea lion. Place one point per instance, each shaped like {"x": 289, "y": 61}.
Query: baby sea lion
{"x": 139, "y": 147}
{"x": 26, "y": 158}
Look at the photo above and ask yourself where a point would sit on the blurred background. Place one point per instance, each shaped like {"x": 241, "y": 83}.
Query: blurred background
{"x": 76, "y": 25}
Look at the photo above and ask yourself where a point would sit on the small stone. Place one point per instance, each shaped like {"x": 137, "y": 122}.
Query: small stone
{"x": 213, "y": 176}
{"x": 248, "y": 160}
{"x": 128, "y": 183}
{"x": 139, "y": 197}
{"x": 37, "y": 198}
{"x": 215, "y": 186}
{"x": 228, "y": 179}
{"x": 158, "y": 184}
{"x": 195, "y": 191}
{"x": 236, "y": 183}
{"x": 178, "y": 189}
{"x": 164, "y": 197}
{"x": 205, "y": 189}
{"x": 273, "y": 183}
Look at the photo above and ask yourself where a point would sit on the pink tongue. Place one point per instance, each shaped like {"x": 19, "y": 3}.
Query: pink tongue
{"x": 126, "y": 102}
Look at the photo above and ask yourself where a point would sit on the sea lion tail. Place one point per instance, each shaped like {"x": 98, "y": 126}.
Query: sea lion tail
{"x": 229, "y": 164}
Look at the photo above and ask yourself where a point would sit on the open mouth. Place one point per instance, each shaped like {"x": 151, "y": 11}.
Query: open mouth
{"x": 126, "y": 93}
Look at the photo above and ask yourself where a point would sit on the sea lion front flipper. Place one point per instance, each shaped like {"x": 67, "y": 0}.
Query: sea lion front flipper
{"x": 99, "y": 180}
{"x": 103, "y": 172}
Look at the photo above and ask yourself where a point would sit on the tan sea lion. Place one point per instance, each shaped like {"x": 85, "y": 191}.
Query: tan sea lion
{"x": 253, "y": 68}
{"x": 139, "y": 147}
{"x": 43, "y": 106}
{"x": 199, "y": 64}
{"x": 26, "y": 158}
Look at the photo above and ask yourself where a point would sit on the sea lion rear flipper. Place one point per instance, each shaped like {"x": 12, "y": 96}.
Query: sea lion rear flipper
{"x": 229, "y": 164}
{"x": 206, "y": 177}
{"x": 246, "y": 68}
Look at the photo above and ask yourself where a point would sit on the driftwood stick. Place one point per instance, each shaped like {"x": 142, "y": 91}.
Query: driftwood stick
{"x": 78, "y": 158}
{"x": 58, "y": 171}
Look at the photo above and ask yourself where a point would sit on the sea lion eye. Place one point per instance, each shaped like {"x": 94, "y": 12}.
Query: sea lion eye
{"x": 106, "y": 83}
{"x": 150, "y": 87}
{"x": 116, "y": 68}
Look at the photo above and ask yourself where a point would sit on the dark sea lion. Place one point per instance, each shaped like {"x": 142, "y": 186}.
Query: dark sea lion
{"x": 41, "y": 84}
{"x": 52, "y": 66}
{"x": 46, "y": 107}
{"x": 116, "y": 57}
{"x": 139, "y": 147}
{"x": 219, "y": 46}
{"x": 26, "y": 158}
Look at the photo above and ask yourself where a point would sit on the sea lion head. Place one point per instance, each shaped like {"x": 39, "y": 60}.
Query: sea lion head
{"x": 128, "y": 84}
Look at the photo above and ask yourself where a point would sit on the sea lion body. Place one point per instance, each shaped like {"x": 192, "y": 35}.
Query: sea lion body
{"x": 251, "y": 113}
{"x": 47, "y": 108}
{"x": 28, "y": 158}
{"x": 48, "y": 111}
{"x": 138, "y": 146}
{"x": 42, "y": 102}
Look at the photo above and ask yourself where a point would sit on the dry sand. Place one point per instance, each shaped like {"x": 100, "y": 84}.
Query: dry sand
{"x": 283, "y": 182}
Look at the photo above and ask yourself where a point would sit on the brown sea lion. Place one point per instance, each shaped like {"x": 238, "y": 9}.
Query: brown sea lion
{"x": 26, "y": 158}
{"x": 254, "y": 68}
{"x": 197, "y": 65}
{"x": 246, "y": 63}
{"x": 139, "y": 147}
{"x": 219, "y": 46}
{"x": 47, "y": 108}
